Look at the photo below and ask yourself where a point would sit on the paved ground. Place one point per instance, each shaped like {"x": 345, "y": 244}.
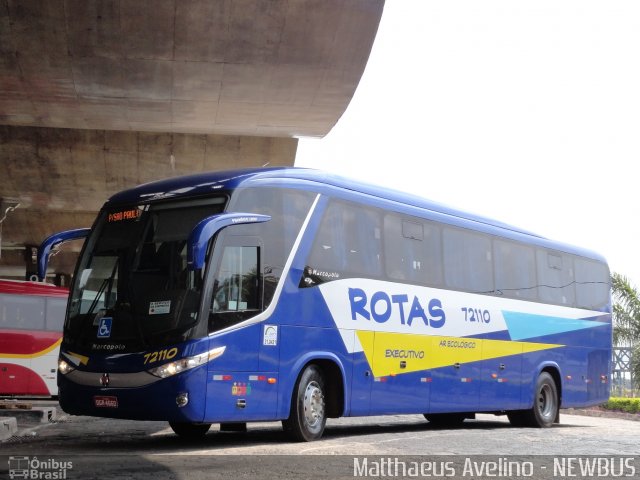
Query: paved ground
{"x": 124, "y": 449}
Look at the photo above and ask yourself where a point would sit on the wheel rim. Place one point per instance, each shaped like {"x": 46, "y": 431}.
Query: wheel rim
{"x": 546, "y": 401}
{"x": 313, "y": 405}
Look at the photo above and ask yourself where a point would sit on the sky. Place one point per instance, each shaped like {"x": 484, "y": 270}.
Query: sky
{"x": 523, "y": 111}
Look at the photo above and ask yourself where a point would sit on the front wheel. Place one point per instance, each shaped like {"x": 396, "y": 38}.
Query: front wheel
{"x": 190, "y": 430}
{"x": 308, "y": 415}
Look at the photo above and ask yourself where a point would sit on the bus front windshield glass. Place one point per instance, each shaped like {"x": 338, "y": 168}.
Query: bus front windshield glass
{"x": 133, "y": 289}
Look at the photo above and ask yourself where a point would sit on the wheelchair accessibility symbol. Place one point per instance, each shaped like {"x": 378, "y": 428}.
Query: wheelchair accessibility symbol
{"x": 104, "y": 329}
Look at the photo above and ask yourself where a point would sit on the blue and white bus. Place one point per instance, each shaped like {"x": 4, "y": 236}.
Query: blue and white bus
{"x": 294, "y": 295}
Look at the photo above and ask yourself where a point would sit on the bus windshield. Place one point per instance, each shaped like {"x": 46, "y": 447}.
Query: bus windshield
{"x": 133, "y": 289}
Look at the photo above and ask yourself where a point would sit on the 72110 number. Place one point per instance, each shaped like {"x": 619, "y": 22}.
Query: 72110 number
{"x": 167, "y": 354}
{"x": 476, "y": 315}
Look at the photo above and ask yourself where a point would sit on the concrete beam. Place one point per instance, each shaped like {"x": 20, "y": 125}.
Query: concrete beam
{"x": 63, "y": 176}
{"x": 242, "y": 67}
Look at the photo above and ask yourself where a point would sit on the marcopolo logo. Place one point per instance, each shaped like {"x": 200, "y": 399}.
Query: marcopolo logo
{"x": 36, "y": 469}
{"x": 382, "y": 307}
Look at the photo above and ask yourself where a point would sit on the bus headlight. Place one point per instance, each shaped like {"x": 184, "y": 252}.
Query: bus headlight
{"x": 184, "y": 364}
{"x": 65, "y": 367}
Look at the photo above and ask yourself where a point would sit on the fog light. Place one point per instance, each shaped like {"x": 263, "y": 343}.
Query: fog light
{"x": 182, "y": 400}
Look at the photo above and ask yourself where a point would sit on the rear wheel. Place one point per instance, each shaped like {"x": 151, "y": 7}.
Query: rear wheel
{"x": 545, "y": 407}
{"x": 308, "y": 414}
{"x": 190, "y": 430}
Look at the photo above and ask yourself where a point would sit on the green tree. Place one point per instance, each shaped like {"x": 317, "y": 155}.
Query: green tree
{"x": 626, "y": 319}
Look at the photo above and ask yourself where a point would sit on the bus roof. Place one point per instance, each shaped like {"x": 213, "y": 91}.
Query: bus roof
{"x": 19, "y": 287}
{"x": 207, "y": 183}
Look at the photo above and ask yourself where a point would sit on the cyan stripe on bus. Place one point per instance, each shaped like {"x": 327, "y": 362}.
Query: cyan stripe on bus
{"x": 524, "y": 325}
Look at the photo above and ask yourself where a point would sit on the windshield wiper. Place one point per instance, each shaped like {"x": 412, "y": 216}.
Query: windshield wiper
{"x": 106, "y": 282}
{"x": 96, "y": 299}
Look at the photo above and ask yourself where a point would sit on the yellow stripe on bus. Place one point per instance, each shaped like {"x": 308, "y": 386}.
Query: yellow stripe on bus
{"x": 385, "y": 351}
{"x": 32, "y": 355}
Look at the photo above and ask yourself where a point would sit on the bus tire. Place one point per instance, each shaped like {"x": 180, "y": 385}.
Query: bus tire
{"x": 444, "y": 420}
{"x": 190, "y": 430}
{"x": 308, "y": 413}
{"x": 546, "y": 405}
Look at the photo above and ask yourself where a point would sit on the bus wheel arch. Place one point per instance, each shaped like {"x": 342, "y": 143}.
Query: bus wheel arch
{"x": 318, "y": 394}
{"x": 557, "y": 378}
{"x": 334, "y": 387}
{"x": 545, "y": 408}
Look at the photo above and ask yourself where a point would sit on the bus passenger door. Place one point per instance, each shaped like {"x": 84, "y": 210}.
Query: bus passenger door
{"x": 238, "y": 388}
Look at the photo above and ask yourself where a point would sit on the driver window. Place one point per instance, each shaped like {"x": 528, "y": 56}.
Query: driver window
{"x": 236, "y": 292}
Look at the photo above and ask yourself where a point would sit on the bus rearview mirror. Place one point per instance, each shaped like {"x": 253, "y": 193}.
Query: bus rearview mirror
{"x": 207, "y": 228}
{"x": 53, "y": 240}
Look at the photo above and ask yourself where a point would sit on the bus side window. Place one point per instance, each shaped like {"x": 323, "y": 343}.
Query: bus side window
{"x": 55, "y": 314}
{"x": 468, "y": 262}
{"x": 327, "y": 253}
{"x": 348, "y": 244}
{"x": 515, "y": 270}
{"x": 362, "y": 234}
{"x": 555, "y": 277}
{"x": 23, "y": 312}
{"x": 592, "y": 283}
{"x": 413, "y": 250}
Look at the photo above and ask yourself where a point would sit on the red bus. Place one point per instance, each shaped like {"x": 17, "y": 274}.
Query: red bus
{"x": 31, "y": 318}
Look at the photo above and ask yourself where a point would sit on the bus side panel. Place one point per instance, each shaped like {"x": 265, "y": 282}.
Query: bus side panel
{"x": 242, "y": 384}
{"x": 404, "y": 393}
{"x": 29, "y": 360}
{"x": 241, "y": 396}
{"x": 400, "y": 383}
{"x": 16, "y": 379}
{"x": 532, "y": 364}
{"x": 361, "y": 382}
{"x": 583, "y": 370}
{"x": 45, "y": 368}
{"x": 598, "y": 372}
{"x": 574, "y": 375}
{"x": 501, "y": 383}
{"x": 455, "y": 388}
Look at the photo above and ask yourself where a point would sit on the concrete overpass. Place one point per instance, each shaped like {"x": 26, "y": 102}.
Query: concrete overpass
{"x": 97, "y": 96}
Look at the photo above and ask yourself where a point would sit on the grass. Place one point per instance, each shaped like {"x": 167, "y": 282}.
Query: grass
{"x": 628, "y": 405}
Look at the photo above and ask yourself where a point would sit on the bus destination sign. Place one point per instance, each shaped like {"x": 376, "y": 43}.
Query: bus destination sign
{"x": 132, "y": 214}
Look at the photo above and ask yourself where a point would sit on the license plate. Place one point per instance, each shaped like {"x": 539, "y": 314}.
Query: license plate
{"x": 105, "y": 401}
